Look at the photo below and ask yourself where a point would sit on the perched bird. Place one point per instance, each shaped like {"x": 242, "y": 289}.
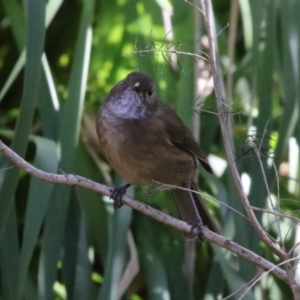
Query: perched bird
{"x": 146, "y": 142}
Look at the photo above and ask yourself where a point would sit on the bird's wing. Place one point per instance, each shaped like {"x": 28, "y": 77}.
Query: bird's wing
{"x": 182, "y": 137}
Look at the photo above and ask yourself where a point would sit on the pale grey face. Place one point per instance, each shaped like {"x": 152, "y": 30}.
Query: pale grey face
{"x": 135, "y": 97}
{"x": 127, "y": 105}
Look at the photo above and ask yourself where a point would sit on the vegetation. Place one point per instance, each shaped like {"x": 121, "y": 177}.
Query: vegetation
{"x": 64, "y": 242}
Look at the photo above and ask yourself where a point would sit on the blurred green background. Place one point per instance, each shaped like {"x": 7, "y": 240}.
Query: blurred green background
{"x": 59, "y": 242}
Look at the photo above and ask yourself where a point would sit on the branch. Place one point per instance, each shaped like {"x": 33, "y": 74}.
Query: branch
{"x": 75, "y": 180}
{"x": 177, "y": 52}
{"x": 229, "y": 153}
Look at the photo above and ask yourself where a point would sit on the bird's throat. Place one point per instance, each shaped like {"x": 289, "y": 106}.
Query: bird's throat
{"x": 126, "y": 105}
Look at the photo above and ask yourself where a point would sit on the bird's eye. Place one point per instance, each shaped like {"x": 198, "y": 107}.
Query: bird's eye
{"x": 150, "y": 96}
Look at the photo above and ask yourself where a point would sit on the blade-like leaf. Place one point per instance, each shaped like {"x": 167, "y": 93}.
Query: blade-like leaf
{"x": 9, "y": 257}
{"x": 35, "y": 44}
{"x": 16, "y": 15}
{"x": 68, "y": 137}
{"x": 117, "y": 248}
{"x": 46, "y": 159}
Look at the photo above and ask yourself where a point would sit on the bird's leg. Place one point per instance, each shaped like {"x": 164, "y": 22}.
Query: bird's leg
{"x": 117, "y": 194}
{"x": 196, "y": 223}
{"x": 200, "y": 232}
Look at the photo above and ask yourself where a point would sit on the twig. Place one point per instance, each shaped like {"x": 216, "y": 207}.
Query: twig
{"x": 287, "y": 264}
{"x": 291, "y": 178}
{"x": 276, "y": 213}
{"x": 177, "y": 52}
{"x": 226, "y": 139}
{"x": 229, "y": 153}
{"x": 168, "y": 186}
{"x": 196, "y": 7}
{"x": 288, "y": 261}
{"x": 256, "y": 150}
{"x": 75, "y": 180}
{"x": 244, "y": 286}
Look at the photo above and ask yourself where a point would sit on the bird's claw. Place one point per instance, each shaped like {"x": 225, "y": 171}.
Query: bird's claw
{"x": 200, "y": 231}
{"x": 117, "y": 195}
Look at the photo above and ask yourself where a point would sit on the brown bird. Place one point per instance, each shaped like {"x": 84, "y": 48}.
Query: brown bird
{"x": 145, "y": 141}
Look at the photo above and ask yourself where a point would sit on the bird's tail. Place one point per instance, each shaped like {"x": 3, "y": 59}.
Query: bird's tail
{"x": 191, "y": 208}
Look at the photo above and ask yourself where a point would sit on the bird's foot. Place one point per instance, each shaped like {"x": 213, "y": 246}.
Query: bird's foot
{"x": 117, "y": 194}
{"x": 200, "y": 231}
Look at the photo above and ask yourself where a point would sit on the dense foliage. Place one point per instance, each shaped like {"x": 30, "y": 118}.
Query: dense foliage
{"x": 59, "y": 242}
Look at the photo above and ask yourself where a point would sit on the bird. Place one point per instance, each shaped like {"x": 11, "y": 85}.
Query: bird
{"x": 146, "y": 142}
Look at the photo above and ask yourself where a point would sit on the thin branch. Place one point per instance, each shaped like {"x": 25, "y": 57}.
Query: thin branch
{"x": 276, "y": 213}
{"x": 75, "y": 180}
{"x": 168, "y": 186}
{"x": 177, "y": 52}
{"x": 256, "y": 150}
{"x": 226, "y": 139}
{"x": 196, "y": 7}
{"x": 290, "y": 178}
{"x": 229, "y": 153}
{"x": 244, "y": 286}
{"x": 287, "y": 265}
{"x": 294, "y": 248}
{"x": 288, "y": 261}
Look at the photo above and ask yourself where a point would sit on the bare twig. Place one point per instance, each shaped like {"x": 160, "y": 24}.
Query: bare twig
{"x": 291, "y": 178}
{"x": 244, "y": 286}
{"x": 153, "y": 51}
{"x": 75, "y": 180}
{"x": 288, "y": 261}
{"x": 196, "y": 7}
{"x": 168, "y": 186}
{"x": 226, "y": 139}
{"x": 256, "y": 150}
{"x": 287, "y": 265}
{"x": 276, "y": 213}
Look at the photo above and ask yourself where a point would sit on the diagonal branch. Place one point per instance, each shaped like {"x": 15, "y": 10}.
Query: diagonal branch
{"x": 226, "y": 139}
{"x": 229, "y": 153}
{"x": 75, "y": 180}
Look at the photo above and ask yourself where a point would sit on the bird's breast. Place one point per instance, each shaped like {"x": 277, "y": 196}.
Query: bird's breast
{"x": 126, "y": 105}
{"x": 115, "y": 140}
{"x": 141, "y": 152}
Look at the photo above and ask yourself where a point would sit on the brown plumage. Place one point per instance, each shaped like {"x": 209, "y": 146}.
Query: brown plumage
{"x": 145, "y": 141}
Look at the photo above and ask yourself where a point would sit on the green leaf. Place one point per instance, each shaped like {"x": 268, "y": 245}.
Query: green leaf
{"x": 94, "y": 208}
{"x": 70, "y": 245}
{"x": 15, "y": 13}
{"x": 48, "y": 103}
{"x": 234, "y": 279}
{"x": 35, "y": 44}
{"x": 9, "y": 256}
{"x": 153, "y": 264}
{"x": 46, "y": 159}
{"x": 68, "y": 138}
{"x": 16, "y": 17}
{"x": 117, "y": 248}
{"x": 83, "y": 282}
